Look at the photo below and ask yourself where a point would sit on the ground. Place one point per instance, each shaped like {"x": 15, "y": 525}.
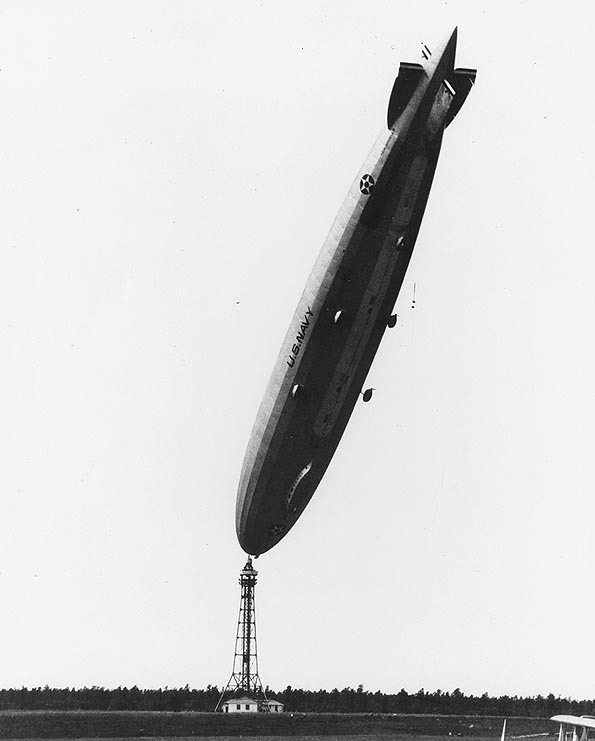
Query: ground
{"x": 117, "y": 726}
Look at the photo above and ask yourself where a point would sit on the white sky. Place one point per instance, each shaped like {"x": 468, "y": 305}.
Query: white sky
{"x": 168, "y": 174}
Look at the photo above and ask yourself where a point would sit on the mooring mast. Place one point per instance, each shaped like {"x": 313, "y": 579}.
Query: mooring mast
{"x": 244, "y": 677}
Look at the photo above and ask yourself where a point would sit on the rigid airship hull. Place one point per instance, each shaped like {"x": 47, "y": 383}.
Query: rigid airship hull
{"x": 346, "y": 306}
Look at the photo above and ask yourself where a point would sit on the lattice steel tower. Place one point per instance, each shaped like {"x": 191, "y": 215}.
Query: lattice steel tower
{"x": 244, "y": 678}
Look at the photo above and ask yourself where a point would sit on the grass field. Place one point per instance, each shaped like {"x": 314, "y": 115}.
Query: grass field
{"x": 334, "y": 737}
{"x": 118, "y": 726}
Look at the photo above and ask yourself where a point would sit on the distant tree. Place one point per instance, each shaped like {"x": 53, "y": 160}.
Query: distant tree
{"x": 346, "y": 700}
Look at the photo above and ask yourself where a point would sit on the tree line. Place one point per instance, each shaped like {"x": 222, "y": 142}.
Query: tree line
{"x": 347, "y": 700}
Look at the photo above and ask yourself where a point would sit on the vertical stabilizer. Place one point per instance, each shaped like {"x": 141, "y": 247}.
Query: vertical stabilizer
{"x": 461, "y": 80}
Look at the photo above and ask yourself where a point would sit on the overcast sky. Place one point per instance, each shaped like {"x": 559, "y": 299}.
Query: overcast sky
{"x": 169, "y": 172}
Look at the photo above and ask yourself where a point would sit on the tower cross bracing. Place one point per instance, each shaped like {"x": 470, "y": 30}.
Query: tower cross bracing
{"x": 244, "y": 677}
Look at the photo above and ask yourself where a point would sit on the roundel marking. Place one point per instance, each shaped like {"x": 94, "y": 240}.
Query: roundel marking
{"x": 366, "y": 184}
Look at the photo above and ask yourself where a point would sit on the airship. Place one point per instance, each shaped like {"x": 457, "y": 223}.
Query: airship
{"x": 347, "y": 303}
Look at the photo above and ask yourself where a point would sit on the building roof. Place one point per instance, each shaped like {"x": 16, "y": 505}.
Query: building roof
{"x": 244, "y": 699}
{"x": 240, "y": 700}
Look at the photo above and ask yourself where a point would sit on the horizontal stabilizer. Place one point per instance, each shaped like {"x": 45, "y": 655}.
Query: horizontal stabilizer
{"x": 461, "y": 80}
{"x": 407, "y": 80}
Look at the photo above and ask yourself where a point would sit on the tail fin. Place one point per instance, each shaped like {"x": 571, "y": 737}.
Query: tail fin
{"x": 410, "y": 74}
{"x": 461, "y": 80}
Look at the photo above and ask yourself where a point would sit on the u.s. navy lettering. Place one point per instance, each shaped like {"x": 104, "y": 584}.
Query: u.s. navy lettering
{"x": 300, "y": 337}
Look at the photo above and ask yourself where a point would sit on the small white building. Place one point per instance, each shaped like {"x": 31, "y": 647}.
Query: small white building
{"x": 240, "y": 705}
{"x": 247, "y": 704}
